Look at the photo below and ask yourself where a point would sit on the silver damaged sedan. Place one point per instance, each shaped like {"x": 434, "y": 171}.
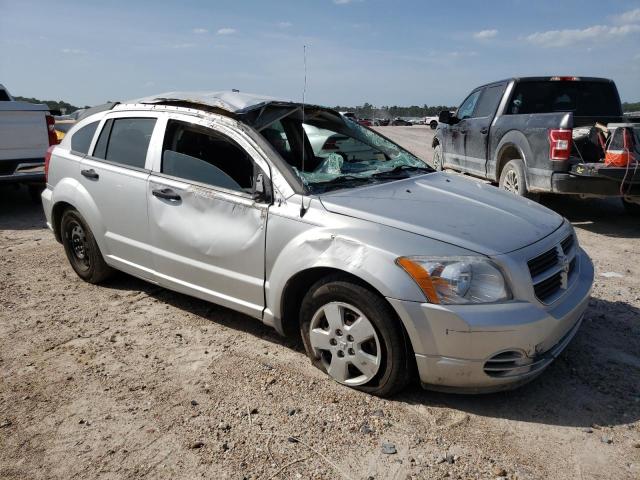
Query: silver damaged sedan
{"x": 386, "y": 269}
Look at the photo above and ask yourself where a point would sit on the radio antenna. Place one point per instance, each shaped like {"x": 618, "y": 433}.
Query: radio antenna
{"x": 303, "y": 209}
{"x": 304, "y": 94}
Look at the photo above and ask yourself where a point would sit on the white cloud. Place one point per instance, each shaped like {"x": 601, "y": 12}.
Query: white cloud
{"x": 200, "y": 31}
{"x": 183, "y": 45}
{"x": 73, "y": 51}
{"x": 632, "y": 16}
{"x": 562, "y": 38}
{"x": 344, "y": 2}
{"x": 485, "y": 34}
{"x": 226, "y": 31}
{"x": 284, "y": 24}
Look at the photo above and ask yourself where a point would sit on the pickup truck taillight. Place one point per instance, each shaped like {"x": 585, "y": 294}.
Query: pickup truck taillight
{"x": 47, "y": 159}
{"x": 560, "y": 143}
{"x": 51, "y": 130}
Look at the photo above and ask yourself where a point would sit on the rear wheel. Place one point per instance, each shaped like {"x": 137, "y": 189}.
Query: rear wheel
{"x": 352, "y": 334}
{"x": 438, "y": 157}
{"x": 631, "y": 207}
{"x": 81, "y": 248}
{"x": 512, "y": 179}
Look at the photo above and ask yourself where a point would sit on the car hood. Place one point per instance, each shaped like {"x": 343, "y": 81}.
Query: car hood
{"x": 451, "y": 209}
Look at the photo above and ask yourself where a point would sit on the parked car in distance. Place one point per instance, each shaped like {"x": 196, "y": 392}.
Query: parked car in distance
{"x": 522, "y": 133}
{"x": 400, "y": 122}
{"x": 380, "y": 265}
{"x": 26, "y": 131}
{"x": 431, "y": 121}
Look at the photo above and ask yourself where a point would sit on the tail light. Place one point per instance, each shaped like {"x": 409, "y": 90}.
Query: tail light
{"x": 47, "y": 159}
{"x": 565, "y": 79}
{"x": 51, "y": 130}
{"x": 560, "y": 144}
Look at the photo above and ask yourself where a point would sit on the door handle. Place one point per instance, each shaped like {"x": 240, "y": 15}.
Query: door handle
{"x": 90, "y": 173}
{"x": 484, "y": 131}
{"x": 167, "y": 194}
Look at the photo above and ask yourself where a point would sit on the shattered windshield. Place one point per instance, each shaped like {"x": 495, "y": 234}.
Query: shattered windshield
{"x": 328, "y": 151}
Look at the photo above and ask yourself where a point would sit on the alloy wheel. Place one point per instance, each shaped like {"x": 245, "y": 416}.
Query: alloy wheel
{"x": 511, "y": 182}
{"x": 346, "y": 342}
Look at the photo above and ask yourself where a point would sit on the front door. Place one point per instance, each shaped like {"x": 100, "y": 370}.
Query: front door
{"x": 455, "y": 154}
{"x": 207, "y": 230}
{"x": 477, "y": 127}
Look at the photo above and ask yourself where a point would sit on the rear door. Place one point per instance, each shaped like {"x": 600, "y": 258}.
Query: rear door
{"x": 454, "y": 149}
{"x": 115, "y": 175}
{"x": 477, "y": 129}
{"x": 207, "y": 230}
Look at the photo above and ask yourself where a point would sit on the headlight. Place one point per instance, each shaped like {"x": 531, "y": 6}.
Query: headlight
{"x": 457, "y": 280}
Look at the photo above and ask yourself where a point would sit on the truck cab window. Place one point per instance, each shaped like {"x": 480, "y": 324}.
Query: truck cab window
{"x": 468, "y": 106}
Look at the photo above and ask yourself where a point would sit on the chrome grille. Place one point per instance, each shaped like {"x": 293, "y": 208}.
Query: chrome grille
{"x": 552, "y": 270}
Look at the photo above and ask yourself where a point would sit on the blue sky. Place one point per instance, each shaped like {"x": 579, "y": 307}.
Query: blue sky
{"x": 384, "y": 52}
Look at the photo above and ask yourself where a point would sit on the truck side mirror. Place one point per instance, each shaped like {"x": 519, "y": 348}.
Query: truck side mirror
{"x": 445, "y": 117}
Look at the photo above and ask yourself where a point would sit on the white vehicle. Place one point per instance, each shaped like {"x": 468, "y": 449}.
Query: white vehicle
{"x": 432, "y": 122}
{"x": 326, "y": 142}
{"x": 26, "y": 131}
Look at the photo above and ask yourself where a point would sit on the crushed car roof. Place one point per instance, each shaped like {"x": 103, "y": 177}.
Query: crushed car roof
{"x": 230, "y": 100}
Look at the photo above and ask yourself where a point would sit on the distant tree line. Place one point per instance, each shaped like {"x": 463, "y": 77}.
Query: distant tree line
{"x": 363, "y": 111}
{"x": 64, "y": 107}
{"x": 370, "y": 111}
{"x": 631, "y": 107}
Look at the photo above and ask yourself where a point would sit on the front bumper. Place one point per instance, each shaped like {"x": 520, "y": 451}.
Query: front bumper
{"x": 455, "y": 345}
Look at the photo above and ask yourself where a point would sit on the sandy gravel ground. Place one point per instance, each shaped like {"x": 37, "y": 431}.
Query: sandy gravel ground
{"x": 127, "y": 380}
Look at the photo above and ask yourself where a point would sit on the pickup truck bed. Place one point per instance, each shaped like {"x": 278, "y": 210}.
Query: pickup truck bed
{"x": 24, "y": 139}
{"x": 520, "y": 132}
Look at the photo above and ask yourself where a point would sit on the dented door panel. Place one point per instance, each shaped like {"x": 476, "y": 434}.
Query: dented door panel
{"x": 209, "y": 243}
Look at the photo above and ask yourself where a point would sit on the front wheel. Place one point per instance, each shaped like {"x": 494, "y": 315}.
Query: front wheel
{"x": 433, "y": 125}
{"x": 438, "y": 157}
{"x": 81, "y": 248}
{"x": 354, "y": 336}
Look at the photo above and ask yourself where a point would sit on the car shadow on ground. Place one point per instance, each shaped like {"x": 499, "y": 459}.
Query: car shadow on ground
{"x": 602, "y": 216}
{"x": 18, "y": 211}
{"x": 593, "y": 382}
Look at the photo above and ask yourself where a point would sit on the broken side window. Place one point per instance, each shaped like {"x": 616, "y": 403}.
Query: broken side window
{"x": 195, "y": 153}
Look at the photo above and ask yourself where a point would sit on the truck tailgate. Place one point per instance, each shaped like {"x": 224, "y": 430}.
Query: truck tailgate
{"x": 23, "y": 132}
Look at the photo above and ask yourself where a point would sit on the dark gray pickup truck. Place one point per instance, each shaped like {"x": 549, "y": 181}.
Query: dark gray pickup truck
{"x": 532, "y": 135}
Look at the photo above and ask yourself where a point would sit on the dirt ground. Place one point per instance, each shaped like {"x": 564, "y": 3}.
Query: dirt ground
{"x": 128, "y": 380}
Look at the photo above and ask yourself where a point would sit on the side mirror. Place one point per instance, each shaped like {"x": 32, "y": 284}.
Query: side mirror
{"x": 445, "y": 117}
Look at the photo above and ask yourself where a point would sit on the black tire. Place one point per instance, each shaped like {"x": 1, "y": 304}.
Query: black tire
{"x": 81, "y": 248}
{"x": 438, "y": 158}
{"x": 433, "y": 125}
{"x": 631, "y": 208}
{"x": 395, "y": 370}
{"x": 513, "y": 179}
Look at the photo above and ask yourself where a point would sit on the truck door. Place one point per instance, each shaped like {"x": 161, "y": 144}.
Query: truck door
{"x": 477, "y": 129}
{"x": 457, "y": 132}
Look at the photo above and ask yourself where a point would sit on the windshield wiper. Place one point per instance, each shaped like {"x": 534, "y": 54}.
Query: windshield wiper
{"x": 401, "y": 171}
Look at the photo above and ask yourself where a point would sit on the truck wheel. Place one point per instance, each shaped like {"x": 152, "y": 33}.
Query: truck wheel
{"x": 35, "y": 191}
{"x": 631, "y": 208}
{"x": 352, "y": 334}
{"x": 438, "y": 158}
{"x": 433, "y": 125}
{"x": 512, "y": 178}
{"x": 81, "y": 248}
